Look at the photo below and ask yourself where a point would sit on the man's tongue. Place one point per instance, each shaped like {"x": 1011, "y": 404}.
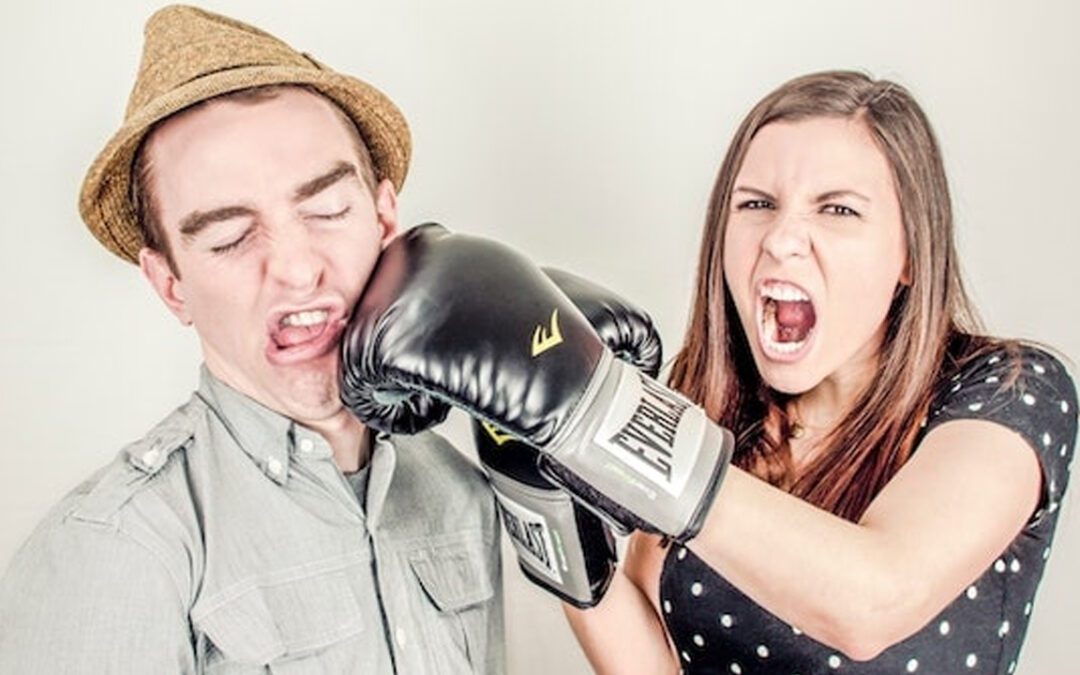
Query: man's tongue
{"x": 290, "y": 336}
{"x": 794, "y": 319}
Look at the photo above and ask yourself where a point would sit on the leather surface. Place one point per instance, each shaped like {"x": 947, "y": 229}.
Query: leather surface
{"x": 453, "y": 319}
{"x": 630, "y": 333}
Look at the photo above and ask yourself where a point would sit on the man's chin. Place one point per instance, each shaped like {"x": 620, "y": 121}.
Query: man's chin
{"x": 310, "y": 390}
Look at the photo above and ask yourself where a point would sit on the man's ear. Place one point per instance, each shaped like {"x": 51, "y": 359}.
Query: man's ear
{"x": 155, "y": 267}
{"x": 386, "y": 209}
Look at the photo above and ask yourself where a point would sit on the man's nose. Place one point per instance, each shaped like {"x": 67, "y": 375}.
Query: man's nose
{"x": 294, "y": 259}
{"x": 788, "y": 235}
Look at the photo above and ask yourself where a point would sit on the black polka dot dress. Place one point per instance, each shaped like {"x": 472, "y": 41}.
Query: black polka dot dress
{"x": 717, "y": 629}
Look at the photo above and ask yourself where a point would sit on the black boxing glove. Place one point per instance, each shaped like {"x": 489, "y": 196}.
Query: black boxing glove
{"x": 471, "y": 323}
{"x": 562, "y": 546}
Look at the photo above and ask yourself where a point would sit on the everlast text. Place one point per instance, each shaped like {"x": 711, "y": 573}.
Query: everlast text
{"x": 650, "y": 433}
{"x": 529, "y": 535}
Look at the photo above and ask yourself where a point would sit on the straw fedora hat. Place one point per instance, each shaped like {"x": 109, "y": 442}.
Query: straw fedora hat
{"x": 190, "y": 55}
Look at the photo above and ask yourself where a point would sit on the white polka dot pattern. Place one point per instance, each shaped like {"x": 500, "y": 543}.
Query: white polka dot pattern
{"x": 982, "y": 630}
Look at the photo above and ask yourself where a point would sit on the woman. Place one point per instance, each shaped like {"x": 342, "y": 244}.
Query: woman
{"x": 897, "y": 476}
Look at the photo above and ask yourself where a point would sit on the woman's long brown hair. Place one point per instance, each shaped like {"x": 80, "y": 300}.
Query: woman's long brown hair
{"x": 927, "y": 322}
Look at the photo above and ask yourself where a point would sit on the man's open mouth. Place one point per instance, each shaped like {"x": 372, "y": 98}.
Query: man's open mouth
{"x": 299, "y": 327}
{"x": 304, "y": 334}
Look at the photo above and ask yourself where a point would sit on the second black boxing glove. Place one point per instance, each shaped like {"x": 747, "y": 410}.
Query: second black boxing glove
{"x": 561, "y": 545}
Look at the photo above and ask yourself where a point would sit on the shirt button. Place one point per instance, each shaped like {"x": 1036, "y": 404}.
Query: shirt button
{"x": 306, "y": 445}
{"x": 274, "y": 465}
{"x": 399, "y": 635}
{"x": 150, "y": 457}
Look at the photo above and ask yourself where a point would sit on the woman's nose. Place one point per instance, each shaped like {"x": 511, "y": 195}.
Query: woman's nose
{"x": 788, "y": 236}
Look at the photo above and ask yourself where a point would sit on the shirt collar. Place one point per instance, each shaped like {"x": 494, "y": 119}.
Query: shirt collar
{"x": 265, "y": 435}
{"x": 383, "y": 461}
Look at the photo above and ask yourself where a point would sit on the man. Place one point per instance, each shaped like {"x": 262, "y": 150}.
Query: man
{"x": 259, "y": 525}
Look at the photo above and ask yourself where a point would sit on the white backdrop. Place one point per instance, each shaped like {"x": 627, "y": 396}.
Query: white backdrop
{"x": 585, "y": 133}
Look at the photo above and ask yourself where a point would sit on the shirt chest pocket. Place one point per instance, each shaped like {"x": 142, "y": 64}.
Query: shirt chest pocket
{"x": 280, "y": 619}
{"x": 453, "y": 592}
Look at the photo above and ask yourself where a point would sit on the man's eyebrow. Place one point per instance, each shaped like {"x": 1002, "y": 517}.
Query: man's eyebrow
{"x": 833, "y": 194}
{"x": 320, "y": 183}
{"x": 196, "y": 221}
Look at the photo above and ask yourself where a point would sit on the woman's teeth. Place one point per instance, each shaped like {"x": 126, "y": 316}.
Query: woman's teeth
{"x": 784, "y": 293}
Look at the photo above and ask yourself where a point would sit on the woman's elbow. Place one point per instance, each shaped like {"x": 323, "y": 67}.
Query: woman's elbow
{"x": 874, "y": 622}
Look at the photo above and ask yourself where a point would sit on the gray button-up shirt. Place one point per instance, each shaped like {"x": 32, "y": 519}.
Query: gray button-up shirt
{"x": 227, "y": 541}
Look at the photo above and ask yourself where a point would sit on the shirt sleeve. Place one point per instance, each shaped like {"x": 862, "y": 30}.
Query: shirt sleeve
{"x": 85, "y": 598}
{"x": 1027, "y": 390}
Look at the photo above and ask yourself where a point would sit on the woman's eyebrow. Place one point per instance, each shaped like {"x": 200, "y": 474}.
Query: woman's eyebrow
{"x": 754, "y": 191}
{"x": 833, "y": 194}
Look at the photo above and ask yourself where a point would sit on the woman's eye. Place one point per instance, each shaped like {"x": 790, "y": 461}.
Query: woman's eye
{"x": 839, "y": 210}
{"x": 755, "y": 204}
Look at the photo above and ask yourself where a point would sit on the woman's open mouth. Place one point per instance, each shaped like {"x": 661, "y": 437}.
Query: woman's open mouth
{"x": 786, "y": 320}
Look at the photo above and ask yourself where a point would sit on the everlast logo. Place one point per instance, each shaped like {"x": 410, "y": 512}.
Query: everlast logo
{"x": 650, "y": 433}
{"x": 529, "y": 535}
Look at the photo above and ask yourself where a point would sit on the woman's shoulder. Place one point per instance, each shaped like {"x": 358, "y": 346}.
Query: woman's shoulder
{"x": 1007, "y": 366}
{"x": 1021, "y": 385}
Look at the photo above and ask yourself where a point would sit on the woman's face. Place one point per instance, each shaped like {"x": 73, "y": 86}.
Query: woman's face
{"x": 814, "y": 250}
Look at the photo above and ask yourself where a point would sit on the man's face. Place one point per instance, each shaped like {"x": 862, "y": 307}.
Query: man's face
{"x": 274, "y": 235}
